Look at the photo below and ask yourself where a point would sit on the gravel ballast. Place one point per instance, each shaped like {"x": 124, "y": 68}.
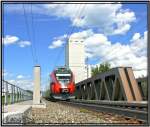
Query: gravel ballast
{"x": 56, "y": 112}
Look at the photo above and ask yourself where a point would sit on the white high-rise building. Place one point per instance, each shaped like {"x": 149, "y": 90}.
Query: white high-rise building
{"x": 75, "y": 58}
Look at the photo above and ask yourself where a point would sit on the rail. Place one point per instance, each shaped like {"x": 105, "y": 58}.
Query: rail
{"x": 12, "y": 93}
{"x": 135, "y": 110}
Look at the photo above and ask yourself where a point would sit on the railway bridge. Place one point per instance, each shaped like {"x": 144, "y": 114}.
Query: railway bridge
{"x": 114, "y": 85}
{"x": 115, "y": 91}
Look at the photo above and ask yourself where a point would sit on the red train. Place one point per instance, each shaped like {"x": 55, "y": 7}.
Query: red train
{"x": 62, "y": 85}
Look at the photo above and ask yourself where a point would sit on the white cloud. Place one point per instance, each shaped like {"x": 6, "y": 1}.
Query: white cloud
{"x": 140, "y": 73}
{"x": 125, "y": 16}
{"x": 56, "y": 44}
{"x": 61, "y": 37}
{"x": 107, "y": 18}
{"x": 122, "y": 29}
{"x": 20, "y": 76}
{"x": 25, "y": 84}
{"x": 58, "y": 41}
{"x": 123, "y": 20}
{"x": 139, "y": 44}
{"x": 132, "y": 54}
{"x": 83, "y": 34}
{"x": 135, "y": 37}
{"x": 11, "y": 81}
{"x": 22, "y": 81}
{"x": 9, "y": 39}
{"x": 24, "y": 43}
{"x": 4, "y": 73}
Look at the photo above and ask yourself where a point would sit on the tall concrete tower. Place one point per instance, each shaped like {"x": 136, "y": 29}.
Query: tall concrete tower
{"x": 75, "y": 58}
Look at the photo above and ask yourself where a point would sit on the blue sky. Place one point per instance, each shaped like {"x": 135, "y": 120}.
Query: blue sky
{"x": 114, "y": 27}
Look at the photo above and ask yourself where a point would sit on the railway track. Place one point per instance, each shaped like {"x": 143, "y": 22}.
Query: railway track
{"x": 136, "y": 110}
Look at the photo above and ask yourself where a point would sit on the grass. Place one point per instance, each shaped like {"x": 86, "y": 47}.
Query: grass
{"x": 3, "y": 99}
{"x": 83, "y": 110}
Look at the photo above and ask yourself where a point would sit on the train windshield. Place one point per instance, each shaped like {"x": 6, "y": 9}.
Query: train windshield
{"x": 63, "y": 78}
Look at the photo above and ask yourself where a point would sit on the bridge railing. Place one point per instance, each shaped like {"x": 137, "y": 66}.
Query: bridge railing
{"x": 115, "y": 85}
{"x": 12, "y": 93}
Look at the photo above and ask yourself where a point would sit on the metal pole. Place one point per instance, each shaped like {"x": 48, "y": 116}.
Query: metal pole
{"x": 6, "y": 93}
{"x": 23, "y": 95}
{"x": 19, "y": 94}
{"x": 11, "y": 95}
{"x": 16, "y": 94}
{"x": 11, "y": 98}
{"x": 28, "y": 96}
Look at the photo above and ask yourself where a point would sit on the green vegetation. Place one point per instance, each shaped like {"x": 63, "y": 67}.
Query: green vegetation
{"x": 29, "y": 91}
{"x": 47, "y": 93}
{"x": 144, "y": 90}
{"x": 101, "y": 68}
{"x": 83, "y": 110}
{"x": 3, "y": 98}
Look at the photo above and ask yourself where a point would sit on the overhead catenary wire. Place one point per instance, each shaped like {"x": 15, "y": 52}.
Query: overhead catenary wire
{"x": 57, "y": 58}
{"x": 62, "y": 49}
{"x": 33, "y": 33}
{"x": 28, "y": 34}
{"x": 77, "y": 14}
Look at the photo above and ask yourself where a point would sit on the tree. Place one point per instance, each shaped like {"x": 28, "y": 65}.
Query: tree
{"x": 103, "y": 67}
{"x": 29, "y": 91}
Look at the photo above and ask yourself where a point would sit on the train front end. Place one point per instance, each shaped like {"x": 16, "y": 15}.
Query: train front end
{"x": 62, "y": 84}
